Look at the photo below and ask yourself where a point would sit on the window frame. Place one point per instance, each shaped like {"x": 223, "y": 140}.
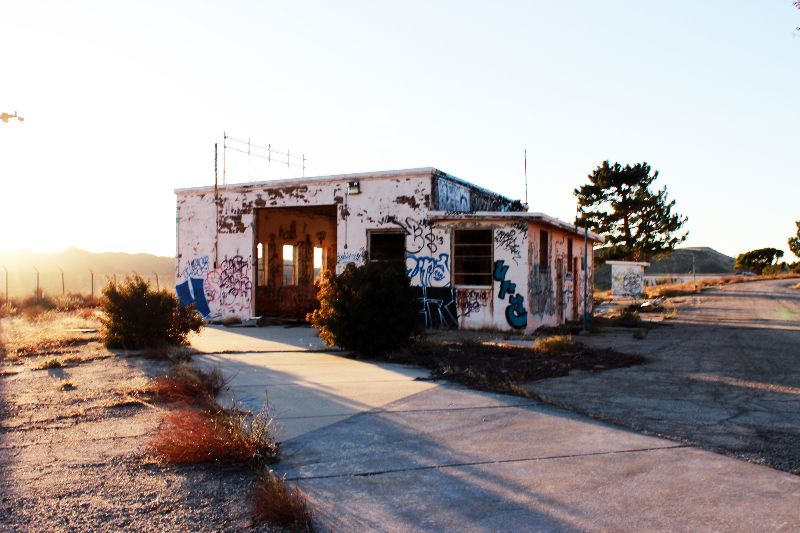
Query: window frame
{"x": 454, "y": 267}
{"x": 544, "y": 250}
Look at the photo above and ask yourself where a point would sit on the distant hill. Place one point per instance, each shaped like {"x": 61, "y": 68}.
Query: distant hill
{"x": 706, "y": 260}
{"x": 679, "y": 261}
{"x": 76, "y": 264}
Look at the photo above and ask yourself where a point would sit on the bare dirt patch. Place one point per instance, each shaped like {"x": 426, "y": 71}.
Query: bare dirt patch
{"x": 73, "y": 447}
{"x": 502, "y": 367}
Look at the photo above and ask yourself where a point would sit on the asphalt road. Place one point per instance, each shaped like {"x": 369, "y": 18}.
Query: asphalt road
{"x": 724, "y": 375}
{"x": 376, "y": 449}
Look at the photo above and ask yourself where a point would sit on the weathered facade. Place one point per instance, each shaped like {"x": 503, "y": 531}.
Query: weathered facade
{"x": 476, "y": 259}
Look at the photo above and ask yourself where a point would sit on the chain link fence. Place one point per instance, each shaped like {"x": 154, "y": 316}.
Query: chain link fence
{"x": 23, "y": 284}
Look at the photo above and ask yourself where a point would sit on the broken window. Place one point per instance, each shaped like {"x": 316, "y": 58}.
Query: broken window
{"x": 387, "y": 246}
{"x": 544, "y": 250}
{"x": 472, "y": 257}
{"x": 289, "y": 265}
{"x": 569, "y": 256}
{"x": 318, "y": 262}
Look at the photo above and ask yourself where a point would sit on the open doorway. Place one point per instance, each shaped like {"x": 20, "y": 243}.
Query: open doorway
{"x": 294, "y": 246}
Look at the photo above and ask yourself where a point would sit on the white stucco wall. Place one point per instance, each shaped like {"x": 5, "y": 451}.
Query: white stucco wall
{"x": 215, "y": 265}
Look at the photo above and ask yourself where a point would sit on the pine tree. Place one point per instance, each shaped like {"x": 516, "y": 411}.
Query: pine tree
{"x": 794, "y": 242}
{"x": 636, "y": 222}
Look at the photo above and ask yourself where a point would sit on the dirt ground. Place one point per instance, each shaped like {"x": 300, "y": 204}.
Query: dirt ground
{"x": 73, "y": 453}
{"x": 723, "y": 374}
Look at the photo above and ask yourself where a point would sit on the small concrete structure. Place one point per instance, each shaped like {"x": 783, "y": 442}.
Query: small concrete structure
{"x": 476, "y": 259}
{"x": 627, "y": 278}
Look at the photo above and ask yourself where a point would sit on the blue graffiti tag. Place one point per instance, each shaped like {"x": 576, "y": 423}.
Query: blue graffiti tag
{"x": 429, "y": 271}
{"x": 194, "y": 295}
{"x": 516, "y": 315}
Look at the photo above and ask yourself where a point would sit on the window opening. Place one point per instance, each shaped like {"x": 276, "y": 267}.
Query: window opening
{"x": 289, "y": 270}
{"x": 387, "y": 246}
{"x": 569, "y": 255}
{"x": 472, "y": 257}
{"x": 318, "y": 262}
{"x": 262, "y": 263}
{"x": 544, "y": 250}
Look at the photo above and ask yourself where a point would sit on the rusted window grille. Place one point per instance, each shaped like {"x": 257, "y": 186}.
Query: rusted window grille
{"x": 472, "y": 257}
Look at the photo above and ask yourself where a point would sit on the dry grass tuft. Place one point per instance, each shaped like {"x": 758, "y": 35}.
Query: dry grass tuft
{"x": 190, "y": 436}
{"x": 276, "y": 503}
{"x": 796, "y": 286}
{"x": 47, "y": 332}
{"x": 189, "y": 385}
{"x": 553, "y": 344}
{"x": 66, "y": 385}
{"x": 53, "y": 362}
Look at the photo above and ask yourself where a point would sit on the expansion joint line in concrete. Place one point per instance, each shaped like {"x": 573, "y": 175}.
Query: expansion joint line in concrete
{"x": 480, "y": 463}
{"x": 381, "y": 411}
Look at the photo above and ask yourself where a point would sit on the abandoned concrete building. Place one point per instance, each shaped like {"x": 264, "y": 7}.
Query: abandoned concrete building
{"x": 475, "y": 257}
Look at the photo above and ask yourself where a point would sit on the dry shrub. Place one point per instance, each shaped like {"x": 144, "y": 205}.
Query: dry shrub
{"x": 276, "y": 503}
{"x": 189, "y": 385}
{"x": 136, "y": 316}
{"x": 554, "y": 344}
{"x": 199, "y": 436}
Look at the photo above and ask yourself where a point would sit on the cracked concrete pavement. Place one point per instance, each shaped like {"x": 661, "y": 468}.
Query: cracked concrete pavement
{"x": 724, "y": 374}
{"x": 376, "y": 449}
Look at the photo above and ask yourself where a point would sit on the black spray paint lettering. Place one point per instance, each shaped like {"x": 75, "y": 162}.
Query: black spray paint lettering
{"x": 421, "y": 234}
{"x": 516, "y": 315}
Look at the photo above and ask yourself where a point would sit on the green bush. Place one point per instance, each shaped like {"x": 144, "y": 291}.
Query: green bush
{"x": 136, "y": 316}
{"x": 369, "y": 309}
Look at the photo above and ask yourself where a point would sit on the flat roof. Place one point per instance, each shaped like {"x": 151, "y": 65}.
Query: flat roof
{"x": 298, "y": 181}
{"x": 510, "y": 216}
{"x": 379, "y": 174}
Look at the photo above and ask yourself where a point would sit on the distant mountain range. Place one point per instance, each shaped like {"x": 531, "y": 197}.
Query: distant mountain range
{"x": 77, "y": 264}
{"x": 679, "y": 261}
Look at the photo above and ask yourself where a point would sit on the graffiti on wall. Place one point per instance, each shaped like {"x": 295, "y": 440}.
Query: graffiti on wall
{"x": 420, "y": 234}
{"x": 628, "y": 283}
{"x": 356, "y": 256}
{"x": 228, "y": 287}
{"x": 452, "y": 196}
{"x": 471, "y": 301}
{"x": 511, "y": 240}
{"x": 516, "y": 315}
{"x": 191, "y": 291}
{"x": 437, "y": 306}
{"x": 428, "y": 271}
{"x": 196, "y": 268}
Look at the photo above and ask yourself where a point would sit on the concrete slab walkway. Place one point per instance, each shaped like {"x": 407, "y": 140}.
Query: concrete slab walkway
{"x": 377, "y": 450}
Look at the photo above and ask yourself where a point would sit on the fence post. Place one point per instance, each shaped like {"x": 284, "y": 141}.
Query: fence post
{"x": 4, "y": 268}
{"x": 156, "y": 275}
{"x": 91, "y": 272}
{"x": 38, "y": 294}
{"x": 63, "y": 291}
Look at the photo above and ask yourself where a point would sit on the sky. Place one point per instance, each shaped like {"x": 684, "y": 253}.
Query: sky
{"x": 123, "y": 102}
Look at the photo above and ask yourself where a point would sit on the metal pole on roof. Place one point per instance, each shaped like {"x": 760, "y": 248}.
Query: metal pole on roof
{"x": 586, "y": 278}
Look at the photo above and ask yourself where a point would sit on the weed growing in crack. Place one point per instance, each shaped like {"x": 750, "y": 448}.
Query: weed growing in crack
{"x": 275, "y": 502}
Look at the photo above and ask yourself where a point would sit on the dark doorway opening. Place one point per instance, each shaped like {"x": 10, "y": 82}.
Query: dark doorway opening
{"x": 294, "y": 246}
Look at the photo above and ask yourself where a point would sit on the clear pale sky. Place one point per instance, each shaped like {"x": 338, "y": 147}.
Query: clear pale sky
{"x": 123, "y": 102}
